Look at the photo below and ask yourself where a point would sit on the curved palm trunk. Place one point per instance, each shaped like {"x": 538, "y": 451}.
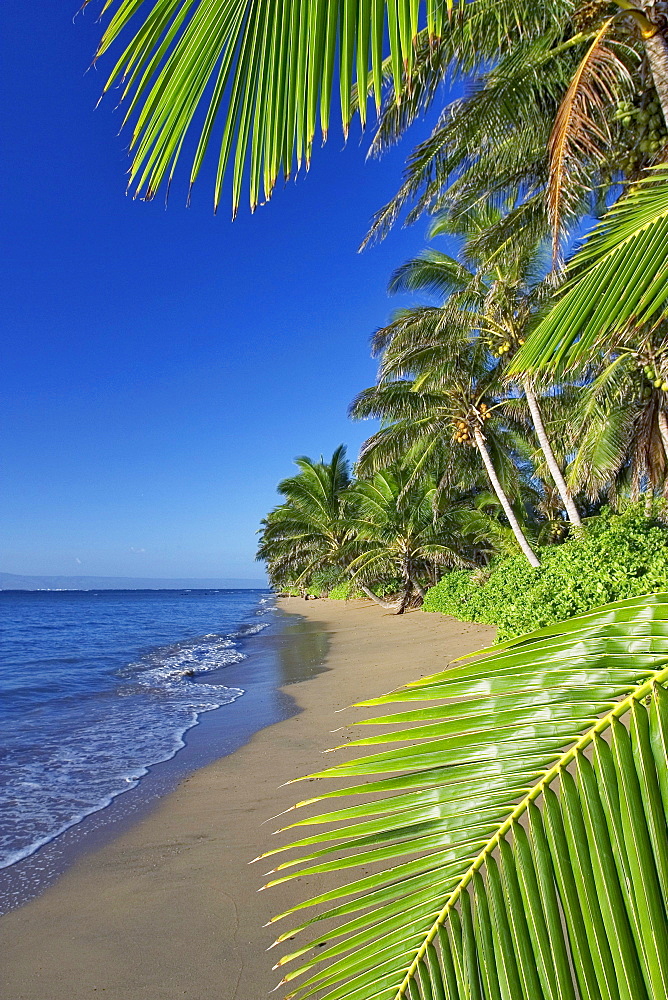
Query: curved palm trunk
{"x": 546, "y": 448}
{"x": 504, "y": 501}
{"x": 408, "y": 586}
{"x": 663, "y": 431}
{"x": 656, "y": 48}
{"x": 376, "y": 600}
{"x": 418, "y": 588}
{"x": 662, "y": 421}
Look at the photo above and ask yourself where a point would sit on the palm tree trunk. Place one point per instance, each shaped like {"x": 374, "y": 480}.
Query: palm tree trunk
{"x": 408, "y": 586}
{"x": 418, "y": 587}
{"x": 376, "y": 600}
{"x": 663, "y": 431}
{"x": 546, "y": 448}
{"x": 662, "y": 421}
{"x": 656, "y": 48}
{"x": 504, "y": 501}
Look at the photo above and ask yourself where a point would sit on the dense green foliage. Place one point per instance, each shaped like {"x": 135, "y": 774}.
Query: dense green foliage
{"x": 321, "y": 583}
{"x": 613, "y": 557}
{"x": 342, "y": 591}
{"x": 349, "y": 590}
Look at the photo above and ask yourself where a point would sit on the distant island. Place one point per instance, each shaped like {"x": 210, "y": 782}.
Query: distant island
{"x": 12, "y": 581}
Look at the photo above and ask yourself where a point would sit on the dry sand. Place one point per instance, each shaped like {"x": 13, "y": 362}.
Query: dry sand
{"x": 171, "y": 909}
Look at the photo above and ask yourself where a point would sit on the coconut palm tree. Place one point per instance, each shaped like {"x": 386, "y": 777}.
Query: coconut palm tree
{"x": 494, "y": 298}
{"x": 448, "y": 408}
{"x": 552, "y": 124}
{"x": 504, "y": 835}
{"x": 309, "y": 530}
{"x": 617, "y": 424}
{"x": 399, "y": 530}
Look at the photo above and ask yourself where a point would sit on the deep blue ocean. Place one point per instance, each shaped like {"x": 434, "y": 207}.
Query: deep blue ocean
{"x": 96, "y": 686}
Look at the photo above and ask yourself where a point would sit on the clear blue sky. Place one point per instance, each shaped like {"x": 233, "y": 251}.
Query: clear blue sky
{"x": 162, "y": 368}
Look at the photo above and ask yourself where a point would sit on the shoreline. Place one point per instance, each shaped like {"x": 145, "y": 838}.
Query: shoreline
{"x": 170, "y": 907}
{"x": 263, "y": 674}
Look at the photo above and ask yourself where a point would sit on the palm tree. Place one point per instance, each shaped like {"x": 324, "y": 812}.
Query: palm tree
{"x": 508, "y": 827}
{"x": 495, "y": 298}
{"x": 399, "y": 531}
{"x": 309, "y": 530}
{"x": 587, "y": 88}
{"x": 446, "y": 409}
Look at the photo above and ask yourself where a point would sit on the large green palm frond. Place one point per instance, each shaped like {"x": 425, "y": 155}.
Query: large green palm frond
{"x": 619, "y": 278}
{"x": 263, "y": 70}
{"x": 506, "y": 837}
{"x": 255, "y": 78}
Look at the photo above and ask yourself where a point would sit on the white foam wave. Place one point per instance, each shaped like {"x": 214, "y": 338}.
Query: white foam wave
{"x": 81, "y": 760}
{"x": 62, "y": 801}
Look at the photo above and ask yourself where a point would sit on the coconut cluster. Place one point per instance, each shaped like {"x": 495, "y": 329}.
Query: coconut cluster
{"x": 463, "y": 434}
{"x": 557, "y": 531}
{"x": 498, "y": 350}
{"x": 657, "y": 380}
{"x": 644, "y": 117}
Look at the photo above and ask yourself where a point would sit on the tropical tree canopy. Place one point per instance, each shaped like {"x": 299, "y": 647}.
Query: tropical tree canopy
{"x": 308, "y": 531}
{"x": 509, "y": 839}
{"x": 552, "y": 122}
{"x": 398, "y": 531}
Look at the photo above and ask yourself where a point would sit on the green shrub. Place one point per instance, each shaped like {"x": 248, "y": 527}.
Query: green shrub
{"x": 615, "y": 556}
{"x": 342, "y": 591}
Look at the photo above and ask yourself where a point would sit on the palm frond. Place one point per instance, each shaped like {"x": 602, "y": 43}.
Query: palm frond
{"x": 581, "y": 132}
{"x": 618, "y": 278}
{"x": 433, "y": 271}
{"x": 252, "y": 77}
{"x": 508, "y": 839}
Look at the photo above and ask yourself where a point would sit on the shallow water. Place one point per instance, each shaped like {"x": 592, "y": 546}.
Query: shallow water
{"x": 97, "y": 686}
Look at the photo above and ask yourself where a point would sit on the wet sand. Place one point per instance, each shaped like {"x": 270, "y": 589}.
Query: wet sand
{"x": 170, "y": 909}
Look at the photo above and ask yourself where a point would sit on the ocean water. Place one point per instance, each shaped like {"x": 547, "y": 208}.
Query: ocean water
{"x": 97, "y": 686}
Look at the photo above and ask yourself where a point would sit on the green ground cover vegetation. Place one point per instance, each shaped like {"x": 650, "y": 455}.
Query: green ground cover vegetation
{"x": 613, "y": 557}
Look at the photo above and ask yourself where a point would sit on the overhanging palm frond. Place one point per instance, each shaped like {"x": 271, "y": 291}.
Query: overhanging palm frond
{"x": 252, "y": 76}
{"x": 512, "y": 841}
{"x": 581, "y": 131}
{"x": 620, "y": 277}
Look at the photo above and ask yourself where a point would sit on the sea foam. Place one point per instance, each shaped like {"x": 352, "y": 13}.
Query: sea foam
{"x": 83, "y": 729}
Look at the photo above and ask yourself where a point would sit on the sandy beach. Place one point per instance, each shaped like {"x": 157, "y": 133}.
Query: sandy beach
{"x": 171, "y": 909}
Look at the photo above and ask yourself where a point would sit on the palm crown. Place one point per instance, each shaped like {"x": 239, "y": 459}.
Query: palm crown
{"x": 309, "y": 530}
